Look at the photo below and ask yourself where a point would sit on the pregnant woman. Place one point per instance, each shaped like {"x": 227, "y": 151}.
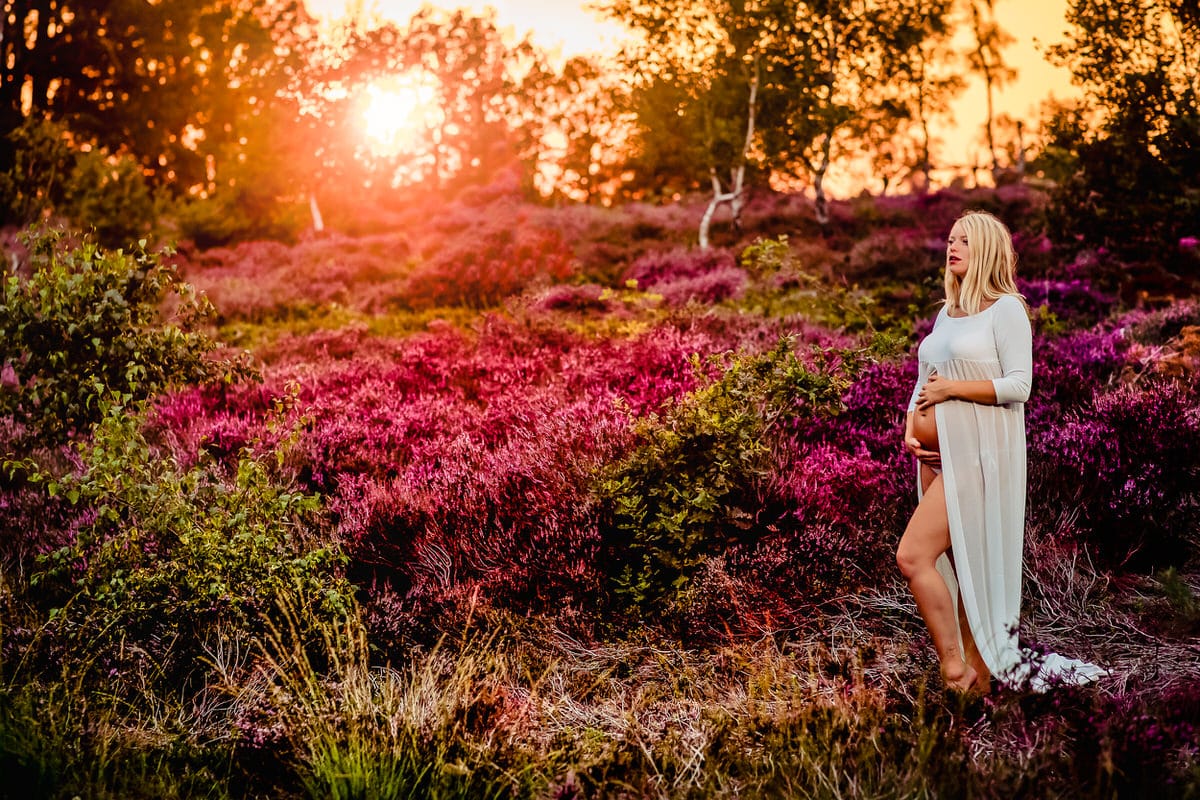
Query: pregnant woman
{"x": 961, "y": 552}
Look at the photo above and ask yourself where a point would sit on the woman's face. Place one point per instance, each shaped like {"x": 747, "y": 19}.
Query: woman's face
{"x": 958, "y": 251}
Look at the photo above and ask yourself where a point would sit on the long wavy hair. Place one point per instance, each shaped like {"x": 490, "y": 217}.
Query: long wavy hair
{"x": 992, "y": 268}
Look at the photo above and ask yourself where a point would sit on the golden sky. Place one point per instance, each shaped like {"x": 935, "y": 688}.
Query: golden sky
{"x": 565, "y": 28}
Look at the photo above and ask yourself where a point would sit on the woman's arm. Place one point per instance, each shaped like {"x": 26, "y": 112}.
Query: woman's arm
{"x": 931, "y": 458}
{"x": 938, "y": 390}
{"x": 1014, "y": 347}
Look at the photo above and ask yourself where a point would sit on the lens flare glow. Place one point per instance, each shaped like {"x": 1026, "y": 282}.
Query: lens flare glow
{"x": 398, "y": 111}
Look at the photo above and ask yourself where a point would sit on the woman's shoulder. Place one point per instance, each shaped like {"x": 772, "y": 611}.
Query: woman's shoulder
{"x": 1009, "y": 307}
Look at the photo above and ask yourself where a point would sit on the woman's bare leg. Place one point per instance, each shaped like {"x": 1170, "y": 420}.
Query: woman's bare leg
{"x": 927, "y": 537}
{"x": 971, "y": 655}
{"x": 983, "y": 679}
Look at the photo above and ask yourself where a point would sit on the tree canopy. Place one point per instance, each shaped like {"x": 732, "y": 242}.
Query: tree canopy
{"x": 1126, "y": 156}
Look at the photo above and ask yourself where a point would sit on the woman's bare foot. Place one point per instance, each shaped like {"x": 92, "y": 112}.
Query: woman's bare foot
{"x": 960, "y": 676}
{"x": 983, "y": 680}
{"x": 981, "y": 686}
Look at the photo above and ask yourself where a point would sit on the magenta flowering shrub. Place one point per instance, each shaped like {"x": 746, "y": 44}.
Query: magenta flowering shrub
{"x": 1128, "y": 464}
{"x": 685, "y": 276}
{"x": 474, "y": 446}
{"x": 1074, "y": 302}
{"x": 711, "y": 287}
{"x": 256, "y": 281}
{"x": 498, "y": 259}
{"x": 1067, "y": 371}
{"x": 33, "y": 523}
{"x": 219, "y": 420}
{"x": 513, "y": 521}
{"x": 843, "y": 487}
{"x": 842, "y": 513}
{"x": 875, "y": 406}
{"x": 1158, "y": 326}
{"x": 660, "y": 267}
{"x": 1131, "y": 743}
{"x": 901, "y": 254}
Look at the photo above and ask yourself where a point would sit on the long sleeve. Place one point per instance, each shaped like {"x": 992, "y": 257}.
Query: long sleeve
{"x": 1014, "y": 346}
{"x": 924, "y": 365}
{"x": 924, "y": 370}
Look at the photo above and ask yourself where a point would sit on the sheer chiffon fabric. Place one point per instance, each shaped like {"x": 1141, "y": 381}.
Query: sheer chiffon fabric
{"x": 983, "y": 471}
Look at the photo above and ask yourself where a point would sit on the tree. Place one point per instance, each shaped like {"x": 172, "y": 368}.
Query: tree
{"x": 1125, "y": 157}
{"x": 931, "y": 82}
{"x": 476, "y": 73}
{"x": 698, "y": 82}
{"x": 985, "y": 58}
{"x": 778, "y": 88}
{"x": 163, "y": 81}
{"x": 574, "y": 126}
{"x": 844, "y": 73}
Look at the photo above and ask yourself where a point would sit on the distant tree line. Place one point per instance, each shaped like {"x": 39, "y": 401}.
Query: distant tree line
{"x": 240, "y": 119}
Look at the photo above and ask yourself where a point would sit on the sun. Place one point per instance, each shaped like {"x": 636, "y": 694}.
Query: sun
{"x": 398, "y": 110}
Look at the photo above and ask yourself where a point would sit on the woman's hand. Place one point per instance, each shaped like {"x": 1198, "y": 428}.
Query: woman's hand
{"x": 929, "y": 458}
{"x": 936, "y": 390}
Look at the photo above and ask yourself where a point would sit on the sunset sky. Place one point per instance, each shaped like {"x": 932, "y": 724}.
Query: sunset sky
{"x": 565, "y": 28}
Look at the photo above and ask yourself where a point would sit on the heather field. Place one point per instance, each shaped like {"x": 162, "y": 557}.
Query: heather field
{"x": 502, "y": 500}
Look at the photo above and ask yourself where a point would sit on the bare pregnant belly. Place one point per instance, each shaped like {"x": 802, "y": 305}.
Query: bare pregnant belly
{"x": 925, "y": 429}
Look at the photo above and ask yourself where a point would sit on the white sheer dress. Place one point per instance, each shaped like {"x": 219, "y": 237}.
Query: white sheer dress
{"x": 983, "y": 471}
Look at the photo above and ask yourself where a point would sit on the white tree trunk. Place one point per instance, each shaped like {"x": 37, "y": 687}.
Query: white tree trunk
{"x": 737, "y": 174}
{"x": 822, "y": 204}
{"x": 315, "y": 210}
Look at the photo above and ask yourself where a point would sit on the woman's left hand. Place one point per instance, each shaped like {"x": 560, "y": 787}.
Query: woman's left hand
{"x": 936, "y": 390}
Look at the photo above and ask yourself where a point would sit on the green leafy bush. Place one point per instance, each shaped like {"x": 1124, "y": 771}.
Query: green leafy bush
{"x": 692, "y": 486}
{"x": 108, "y": 196}
{"x": 95, "y": 189}
{"x": 37, "y": 180}
{"x": 88, "y": 324}
{"x": 169, "y": 557}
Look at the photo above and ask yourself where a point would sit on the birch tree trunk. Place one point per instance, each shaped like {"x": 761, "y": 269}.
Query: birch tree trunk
{"x": 737, "y": 177}
{"x": 315, "y": 210}
{"x": 821, "y": 203}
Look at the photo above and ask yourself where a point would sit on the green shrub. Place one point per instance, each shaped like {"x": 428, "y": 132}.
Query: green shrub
{"x": 96, "y": 190}
{"x": 168, "y": 557}
{"x": 89, "y": 323}
{"x": 37, "y": 181}
{"x": 109, "y": 196}
{"x": 691, "y": 487}
{"x": 238, "y": 214}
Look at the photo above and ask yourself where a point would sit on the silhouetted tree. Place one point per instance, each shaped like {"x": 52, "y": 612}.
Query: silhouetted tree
{"x": 846, "y": 81}
{"x": 163, "y": 81}
{"x": 1126, "y": 156}
{"x": 575, "y": 129}
{"x": 986, "y": 58}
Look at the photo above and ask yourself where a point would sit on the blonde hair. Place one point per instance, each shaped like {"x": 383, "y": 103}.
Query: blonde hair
{"x": 991, "y": 269}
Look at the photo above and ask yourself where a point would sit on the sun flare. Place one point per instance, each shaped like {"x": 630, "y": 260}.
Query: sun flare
{"x": 397, "y": 111}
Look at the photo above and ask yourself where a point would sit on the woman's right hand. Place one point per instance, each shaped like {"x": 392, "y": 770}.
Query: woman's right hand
{"x": 930, "y": 458}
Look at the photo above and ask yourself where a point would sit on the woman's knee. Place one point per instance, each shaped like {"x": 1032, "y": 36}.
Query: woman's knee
{"x": 912, "y": 560}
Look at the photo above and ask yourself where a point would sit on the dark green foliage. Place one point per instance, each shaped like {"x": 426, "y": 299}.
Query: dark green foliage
{"x": 691, "y": 488}
{"x": 238, "y": 214}
{"x": 89, "y": 324}
{"x": 1125, "y": 159}
{"x": 105, "y": 195}
{"x": 37, "y": 178}
{"x": 110, "y": 199}
{"x": 169, "y": 556}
